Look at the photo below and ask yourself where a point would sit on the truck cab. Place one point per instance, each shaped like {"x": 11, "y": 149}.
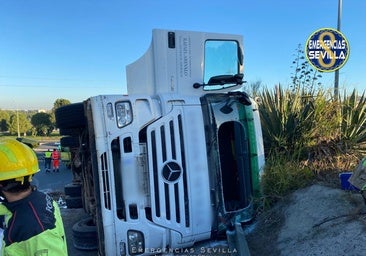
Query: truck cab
{"x": 178, "y": 159}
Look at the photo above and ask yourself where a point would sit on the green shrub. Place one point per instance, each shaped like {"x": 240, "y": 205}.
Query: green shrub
{"x": 353, "y": 124}
{"x": 287, "y": 120}
{"x": 282, "y": 176}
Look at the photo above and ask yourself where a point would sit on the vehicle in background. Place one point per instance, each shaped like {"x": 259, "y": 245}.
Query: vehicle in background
{"x": 66, "y": 156}
{"x": 29, "y": 142}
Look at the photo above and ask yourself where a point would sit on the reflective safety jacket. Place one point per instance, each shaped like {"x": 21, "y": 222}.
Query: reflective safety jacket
{"x": 33, "y": 227}
{"x": 48, "y": 154}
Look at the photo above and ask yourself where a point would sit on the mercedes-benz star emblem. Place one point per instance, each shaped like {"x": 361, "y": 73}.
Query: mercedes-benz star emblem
{"x": 171, "y": 171}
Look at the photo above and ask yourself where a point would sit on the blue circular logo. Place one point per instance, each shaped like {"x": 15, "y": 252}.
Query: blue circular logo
{"x": 327, "y": 49}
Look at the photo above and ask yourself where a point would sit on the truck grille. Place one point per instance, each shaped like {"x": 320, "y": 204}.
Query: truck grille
{"x": 170, "y": 201}
{"x": 106, "y": 188}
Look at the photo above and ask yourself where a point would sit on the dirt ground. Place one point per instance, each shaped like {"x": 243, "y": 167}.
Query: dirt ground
{"x": 317, "y": 220}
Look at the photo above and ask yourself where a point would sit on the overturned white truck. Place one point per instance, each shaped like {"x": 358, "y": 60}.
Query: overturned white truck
{"x": 177, "y": 160}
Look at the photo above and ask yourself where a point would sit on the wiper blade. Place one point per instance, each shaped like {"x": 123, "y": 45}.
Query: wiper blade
{"x": 236, "y": 79}
{"x": 226, "y": 79}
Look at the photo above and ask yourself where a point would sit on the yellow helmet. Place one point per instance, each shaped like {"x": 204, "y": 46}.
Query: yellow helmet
{"x": 17, "y": 160}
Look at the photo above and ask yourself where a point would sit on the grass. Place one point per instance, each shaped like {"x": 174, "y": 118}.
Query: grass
{"x": 282, "y": 176}
{"x": 309, "y": 137}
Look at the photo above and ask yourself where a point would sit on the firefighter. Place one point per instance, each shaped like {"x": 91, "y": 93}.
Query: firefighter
{"x": 33, "y": 224}
{"x": 56, "y": 160}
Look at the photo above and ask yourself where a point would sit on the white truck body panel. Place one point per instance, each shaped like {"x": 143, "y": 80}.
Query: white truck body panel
{"x": 173, "y": 70}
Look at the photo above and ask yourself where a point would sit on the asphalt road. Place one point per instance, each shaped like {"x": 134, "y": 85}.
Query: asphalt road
{"x": 51, "y": 181}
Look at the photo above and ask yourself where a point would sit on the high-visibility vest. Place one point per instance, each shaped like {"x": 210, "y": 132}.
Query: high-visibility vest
{"x": 45, "y": 237}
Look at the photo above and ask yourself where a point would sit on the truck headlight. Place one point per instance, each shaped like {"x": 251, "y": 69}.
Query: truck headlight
{"x": 109, "y": 110}
{"x": 123, "y": 113}
{"x": 136, "y": 243}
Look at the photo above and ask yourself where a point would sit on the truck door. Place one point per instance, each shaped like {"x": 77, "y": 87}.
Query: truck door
{"x": 232, "y": 153}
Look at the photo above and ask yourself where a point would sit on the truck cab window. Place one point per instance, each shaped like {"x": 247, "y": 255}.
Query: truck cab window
{"x": 221, "y": 58}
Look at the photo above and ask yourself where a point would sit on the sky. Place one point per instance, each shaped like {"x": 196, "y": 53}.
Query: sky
{"x": 77, "y": 49}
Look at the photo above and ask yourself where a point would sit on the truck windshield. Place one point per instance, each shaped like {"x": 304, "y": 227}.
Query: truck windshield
{"x": 222, "y": 58}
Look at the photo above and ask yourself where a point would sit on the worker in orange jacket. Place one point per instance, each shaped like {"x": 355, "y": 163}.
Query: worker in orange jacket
{"x": 56, "y": 160}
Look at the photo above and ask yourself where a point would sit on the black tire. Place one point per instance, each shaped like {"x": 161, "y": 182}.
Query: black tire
{"x": 74, "y": 202}
{"x": 70, "y": 116}
{"x": 75, "y": 132}
{"x": 71, "y": 142}
{"x": 85, "y": 236}
{"x": 73, "y": 190}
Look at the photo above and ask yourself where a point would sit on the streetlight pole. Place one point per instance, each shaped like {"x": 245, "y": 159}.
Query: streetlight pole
{"x": 18, "y": 124}
{"x": 336, "y": 73}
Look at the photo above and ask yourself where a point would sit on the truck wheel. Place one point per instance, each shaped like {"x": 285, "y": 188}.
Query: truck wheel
{"x": 73, "y": 202}
{"x": 73, "y": 190}
{"x": 68, "y": 141}
{"x": 85, "y": 235}
{"x": 75, "y": 132}
{"x": 70, "y": 116}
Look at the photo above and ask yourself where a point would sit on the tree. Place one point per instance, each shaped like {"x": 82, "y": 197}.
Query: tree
{"x": 304, "y": 76}
{"x": 42, "y": 123}
{"x": 58, "y": 103}
{"x": 4, "y": 121}
{"x": 19, "y": 122}
{"x": 254, "y": 88}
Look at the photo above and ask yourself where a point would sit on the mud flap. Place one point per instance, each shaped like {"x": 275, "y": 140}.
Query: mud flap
{"x": 237, "y": 242}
